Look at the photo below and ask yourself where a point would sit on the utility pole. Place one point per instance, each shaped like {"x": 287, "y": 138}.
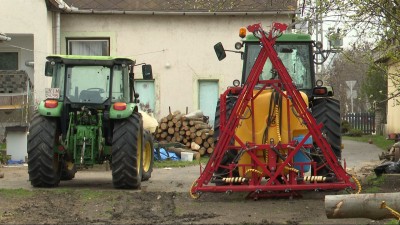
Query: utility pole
{"x": 319, "y": 36}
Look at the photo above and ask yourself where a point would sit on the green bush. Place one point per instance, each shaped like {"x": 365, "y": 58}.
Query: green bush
{"x": 354, "y": 133}
{"x": 346, "y": 127}
{"x": 3, "y": 158}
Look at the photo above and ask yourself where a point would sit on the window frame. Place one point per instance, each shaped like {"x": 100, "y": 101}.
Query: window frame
{"x": 87, "y": 39}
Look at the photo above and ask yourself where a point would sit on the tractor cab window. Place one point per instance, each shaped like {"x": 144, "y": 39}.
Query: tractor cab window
{"x": 295, "y": 57}
{"x": 88, "y": 84}
{"x": 120, "y": 88}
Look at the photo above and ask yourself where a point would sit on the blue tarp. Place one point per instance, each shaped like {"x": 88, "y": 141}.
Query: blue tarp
{"x": 14, "y": 162}
{"x": 163, "y": 154}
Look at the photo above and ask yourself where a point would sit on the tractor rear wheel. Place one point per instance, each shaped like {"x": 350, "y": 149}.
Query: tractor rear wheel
{"x": 148, "y": 156}
{"x": 126, "y": 152}
{"x": 327, "y": 112}
{"x": 44, "y": 166}
{"x": 229, "y": 155}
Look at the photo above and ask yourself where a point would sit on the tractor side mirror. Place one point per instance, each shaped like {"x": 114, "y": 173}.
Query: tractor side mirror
{"x": 220, "y": 51}
{"x": 147, "y": 72}
{"x": 49, "y": 69}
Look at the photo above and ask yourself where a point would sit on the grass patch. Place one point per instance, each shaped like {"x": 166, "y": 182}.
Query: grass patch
{"x": 16, "y": 193}
{"x": 3, "y": 146}
{"x": 392, "y": 222}
{"x": 378, "y": 140}
{"x": 171, "y": 163}
{"x": 63, "y": 190}
{"x": 373, "y": 183}
{"x": 88, "y": 194}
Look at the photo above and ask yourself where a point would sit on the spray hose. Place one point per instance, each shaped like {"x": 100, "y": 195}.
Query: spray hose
{"x": 193, "y": 195}
{"x": 359, "y": 188}
{"x": 278, "y": 133}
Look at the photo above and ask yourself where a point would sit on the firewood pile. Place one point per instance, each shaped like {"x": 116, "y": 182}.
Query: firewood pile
{"x": 191, "y": 130}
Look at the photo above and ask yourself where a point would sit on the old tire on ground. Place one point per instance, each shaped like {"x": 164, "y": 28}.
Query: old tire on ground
{"x": 43, "y": 163}
{"x": 127, "y": 152}
{"x": 327, "y": 112}
{"x": 229, "y": 155}
{"x": 148, "y": 155}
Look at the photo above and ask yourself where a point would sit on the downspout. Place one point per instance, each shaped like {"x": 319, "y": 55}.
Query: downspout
{"x": 65, "y": 8}
{"x": 57, "y": 34}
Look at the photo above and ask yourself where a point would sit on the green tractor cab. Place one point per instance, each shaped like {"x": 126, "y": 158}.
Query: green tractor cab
{"x": 90, "y": 115}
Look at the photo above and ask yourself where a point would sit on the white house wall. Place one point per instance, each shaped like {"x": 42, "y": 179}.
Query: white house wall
{"x": 28, "y": 24}
{"x": 180, "y": 49}
{"x": 393, "y": 106}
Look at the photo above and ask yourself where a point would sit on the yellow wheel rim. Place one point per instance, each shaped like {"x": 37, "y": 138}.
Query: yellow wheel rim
{"x": 147, "y": 156}
{"x": 139, "y": 151}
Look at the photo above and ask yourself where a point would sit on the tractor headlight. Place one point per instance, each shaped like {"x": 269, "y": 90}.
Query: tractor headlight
{"x": 238, "y": 45}
{"x": 236, "y": 83}
{"x": 319, "y": 83}
{"x": 318, "y": 45}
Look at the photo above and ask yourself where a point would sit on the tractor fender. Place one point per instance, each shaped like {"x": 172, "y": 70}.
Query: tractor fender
{"x": 51, "y": 112}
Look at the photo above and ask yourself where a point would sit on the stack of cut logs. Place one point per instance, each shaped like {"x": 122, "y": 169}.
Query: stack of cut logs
{"x": 192, "y": 130}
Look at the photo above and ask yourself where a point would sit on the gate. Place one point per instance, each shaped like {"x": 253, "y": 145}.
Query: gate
{"x": 364, "y": 121}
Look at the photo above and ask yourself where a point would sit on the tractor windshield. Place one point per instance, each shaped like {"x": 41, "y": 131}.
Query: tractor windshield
{"x": 88, "y": 84}
{"x": 295, "y": 57}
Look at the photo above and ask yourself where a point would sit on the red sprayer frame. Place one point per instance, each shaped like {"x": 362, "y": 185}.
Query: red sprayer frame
{"x": 277, "y": 183}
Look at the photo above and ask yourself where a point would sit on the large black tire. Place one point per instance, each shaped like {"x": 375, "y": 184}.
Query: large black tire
{"x": 126, "y": 152}
{"x": 44, "y": 166}
{"x": 148, "y": 155}
{"x": 230, "y": 154}
{"x": 327, "y": 112}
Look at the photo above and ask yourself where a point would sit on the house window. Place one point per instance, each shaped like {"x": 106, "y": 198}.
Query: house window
{"x": 8, "y": 60}
{"x": 97, "y": 47}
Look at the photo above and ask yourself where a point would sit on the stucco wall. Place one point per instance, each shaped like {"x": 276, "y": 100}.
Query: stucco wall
{"x": 393, "y": 109}
{"x": 180, "y": 49}
{"x": 28, "y": 24}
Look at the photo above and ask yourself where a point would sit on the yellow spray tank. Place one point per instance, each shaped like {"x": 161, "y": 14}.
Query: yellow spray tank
{"x": 284, "y": 125}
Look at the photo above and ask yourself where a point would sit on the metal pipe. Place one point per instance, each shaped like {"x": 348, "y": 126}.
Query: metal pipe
{"x": 30, "y": 63}
{"x": 64, "y": 6}
{"x": 57, "y": 33}
{"x": 91, "y": 11}
{"x": 3, "y": 37}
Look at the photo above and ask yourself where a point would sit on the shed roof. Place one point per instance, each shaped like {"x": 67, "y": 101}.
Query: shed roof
{"x": 177, "y": 6}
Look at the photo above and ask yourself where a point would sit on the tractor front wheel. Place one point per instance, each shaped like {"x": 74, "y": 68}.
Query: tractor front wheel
{"x": 44, "y": 166}
{"x": 148, "y": 156}
{"x": 127, "y": 152}
{"x": 68, "y": 170}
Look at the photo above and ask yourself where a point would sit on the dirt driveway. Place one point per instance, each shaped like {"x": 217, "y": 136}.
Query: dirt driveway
{"x": 91, "y": 199}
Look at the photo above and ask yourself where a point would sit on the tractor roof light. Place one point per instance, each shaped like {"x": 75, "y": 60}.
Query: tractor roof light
{"x": 242, "y": 32}
{"x": 120, "y": 106}
{"x": 51, "y": 103}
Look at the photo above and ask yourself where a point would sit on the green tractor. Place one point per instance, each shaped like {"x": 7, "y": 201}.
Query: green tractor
{"x": 298, "y": 53}
{"x": 90, "y": 116}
